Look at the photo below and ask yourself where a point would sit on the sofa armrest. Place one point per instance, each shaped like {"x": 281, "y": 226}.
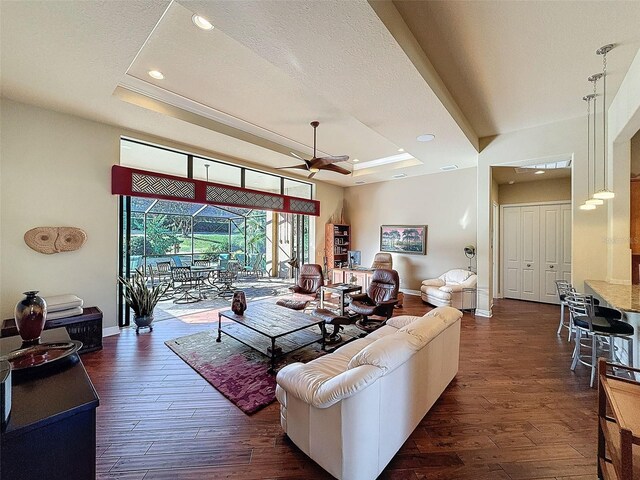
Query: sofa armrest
{"x": 434, "y": 282}
{"x": 307, "y": 383}
{"x": 470, "y": 282}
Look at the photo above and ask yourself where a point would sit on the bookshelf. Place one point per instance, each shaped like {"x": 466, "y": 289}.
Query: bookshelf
{"x": 337, "y": 238}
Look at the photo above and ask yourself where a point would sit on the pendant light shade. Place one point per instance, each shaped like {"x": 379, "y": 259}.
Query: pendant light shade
{"x": 594, "y": 201}
{"x": 604, "y": 194}
{"x": 587, "y": 206}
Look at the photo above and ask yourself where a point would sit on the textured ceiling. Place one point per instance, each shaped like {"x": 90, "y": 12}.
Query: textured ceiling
{"x": 514, "y": 65}
{"x": 249, "y": 89}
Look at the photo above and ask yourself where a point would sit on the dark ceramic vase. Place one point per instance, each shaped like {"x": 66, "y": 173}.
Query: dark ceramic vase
{"x": 239, "y": 302}
{"x": 31, "y": 315}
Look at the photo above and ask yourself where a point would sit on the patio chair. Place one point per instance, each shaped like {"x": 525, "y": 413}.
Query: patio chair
{"x": 223, "y": 261}
{"x": 225, "y": 283}
{"x": 256, "y": 267}
{"x": 163, "y": 273}
{"x": 184, "y": 284}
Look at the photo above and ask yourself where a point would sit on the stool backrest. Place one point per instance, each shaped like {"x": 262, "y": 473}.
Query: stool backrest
{"x": 564, "y": 288}
{"x": 581, "y": 305}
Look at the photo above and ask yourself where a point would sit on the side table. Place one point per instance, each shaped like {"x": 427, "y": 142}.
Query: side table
{"x": 469, "y": 299}
{"x": 51, "y": 432}
{"x": 342, "y": 291}
{"x": 86, "y": 328}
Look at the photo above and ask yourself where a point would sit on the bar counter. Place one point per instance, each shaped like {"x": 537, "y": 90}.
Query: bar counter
{"x": 622, "y": 297}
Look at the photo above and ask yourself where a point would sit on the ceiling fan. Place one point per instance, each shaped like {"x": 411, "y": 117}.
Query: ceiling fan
{"x": 320, "y": 163}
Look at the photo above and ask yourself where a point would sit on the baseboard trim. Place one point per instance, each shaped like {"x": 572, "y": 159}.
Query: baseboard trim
{"x": 410, "y": 292}
{"x": 483, "y": 313}
{"x": 109, "y": 331}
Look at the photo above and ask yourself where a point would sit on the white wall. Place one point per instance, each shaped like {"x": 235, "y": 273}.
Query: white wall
{"x": 445, "y": 202}
{"x": 537, "y": 191}
{"x": 589, "y": 240}
{"x": 55, "y": 170}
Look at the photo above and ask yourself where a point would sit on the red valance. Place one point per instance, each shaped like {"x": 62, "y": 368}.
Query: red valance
{"x": 140, "y": 183}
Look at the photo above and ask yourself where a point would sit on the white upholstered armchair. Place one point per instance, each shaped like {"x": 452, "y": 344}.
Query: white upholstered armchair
{"x": 447, "y": 289}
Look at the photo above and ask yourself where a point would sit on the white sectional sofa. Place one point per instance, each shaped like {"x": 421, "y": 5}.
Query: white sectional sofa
{"x": 352, "y": 410}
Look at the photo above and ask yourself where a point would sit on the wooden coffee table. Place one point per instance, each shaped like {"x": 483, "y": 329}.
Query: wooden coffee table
{"x": 265, "y": 322}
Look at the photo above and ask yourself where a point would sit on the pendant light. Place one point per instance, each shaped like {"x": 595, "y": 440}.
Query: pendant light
{"x": 588, "y": 205}
{"x": 604, "y": 194}
{"x": 592, "y": 97}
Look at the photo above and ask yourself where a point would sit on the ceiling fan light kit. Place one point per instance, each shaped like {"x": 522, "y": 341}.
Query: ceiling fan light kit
{"x": 316, "y": 164}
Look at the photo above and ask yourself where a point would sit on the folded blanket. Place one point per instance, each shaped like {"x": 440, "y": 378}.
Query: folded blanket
{"x": 70, "y": 312}
{"x": 56, "y": 303}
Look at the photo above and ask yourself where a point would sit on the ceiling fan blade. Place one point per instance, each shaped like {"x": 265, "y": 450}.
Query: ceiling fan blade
{"x": 298, "y": 156}
{"x": 304, "y": 166}
{"x": 334, "y": 159}
{"x": 337, "y": 169}
{"x": 312, "y": 174}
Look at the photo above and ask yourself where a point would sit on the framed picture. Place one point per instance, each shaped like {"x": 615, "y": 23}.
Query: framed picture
{"x": 404, "y": 239}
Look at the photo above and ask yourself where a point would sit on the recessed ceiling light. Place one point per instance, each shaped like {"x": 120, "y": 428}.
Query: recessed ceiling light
{"x": 427, "y": 137}
{"x": 448, "y": 168}
{"x": 156, "y": 74}
{"x": 511, "y": 182}
{"x": 401, "y": 149}
{"x": 399, "y": 175}
{"x": 538, "y": 172}
{"x": 360, "y": 182}
{"x": 355, "y": 160}
{"x": 201, "y": 22}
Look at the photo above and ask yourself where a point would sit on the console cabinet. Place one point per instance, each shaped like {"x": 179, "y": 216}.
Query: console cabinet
{"x": 618, "y": 423}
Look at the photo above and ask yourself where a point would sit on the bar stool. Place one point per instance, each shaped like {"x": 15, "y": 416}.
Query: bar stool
{"x": 564, "y": 288}
{"x": 602, "y": 324}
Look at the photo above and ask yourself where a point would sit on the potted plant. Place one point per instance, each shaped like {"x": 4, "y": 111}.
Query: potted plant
{"x": 141, "y": 299}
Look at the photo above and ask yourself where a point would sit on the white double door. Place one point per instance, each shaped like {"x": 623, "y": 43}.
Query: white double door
{"x": 536, "y": 247}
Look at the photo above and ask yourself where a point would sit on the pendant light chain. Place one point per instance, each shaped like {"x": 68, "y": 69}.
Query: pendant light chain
{"x": 588, "y": 99}
{"x": 604, "y": 119}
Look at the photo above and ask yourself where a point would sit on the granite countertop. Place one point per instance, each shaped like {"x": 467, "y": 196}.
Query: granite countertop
{"x": 622, "y": 297}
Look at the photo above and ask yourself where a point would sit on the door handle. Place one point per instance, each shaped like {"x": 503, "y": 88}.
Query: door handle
{"x": 528, "y": 264}
{"x": 550, "y": 266}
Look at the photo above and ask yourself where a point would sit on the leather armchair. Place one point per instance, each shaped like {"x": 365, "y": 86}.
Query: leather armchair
{"x": 379, "y": 300}
{"x": 310, "y": 280}
{"x": 382, "y": 260}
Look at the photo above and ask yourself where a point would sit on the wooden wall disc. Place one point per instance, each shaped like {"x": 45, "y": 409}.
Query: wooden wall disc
{"x": 50, "y": 240}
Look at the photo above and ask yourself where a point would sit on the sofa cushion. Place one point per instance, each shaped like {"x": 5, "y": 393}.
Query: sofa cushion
{"x": 402, "y": 320}
{"x": 387, "y": 353}
{"x": 432, "y": 324}
{"x": 433, "y": 282}
{"x": 383, "y": 331}
{"x": 457, "y": 275}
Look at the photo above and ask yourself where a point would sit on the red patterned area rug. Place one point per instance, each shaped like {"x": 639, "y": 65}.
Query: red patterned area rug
{"x": 235, "y": 370}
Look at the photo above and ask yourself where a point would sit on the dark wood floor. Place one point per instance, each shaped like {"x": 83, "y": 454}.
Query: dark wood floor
{"x": 515, "y": 411}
